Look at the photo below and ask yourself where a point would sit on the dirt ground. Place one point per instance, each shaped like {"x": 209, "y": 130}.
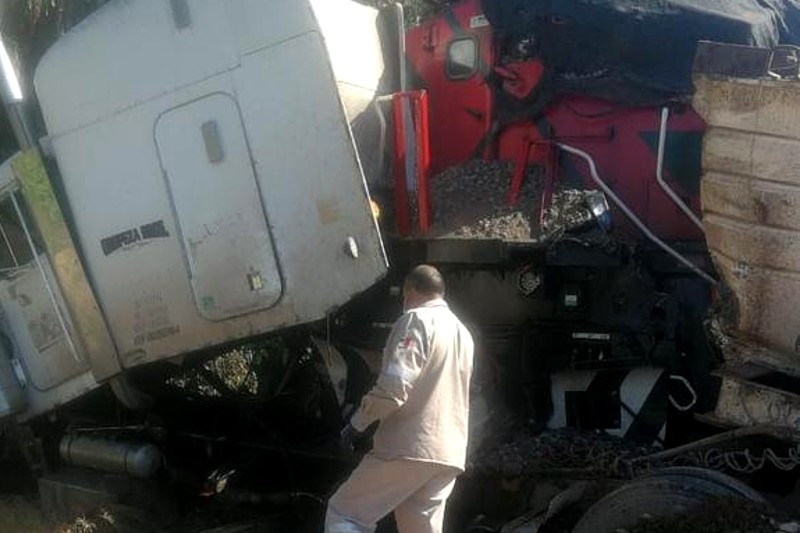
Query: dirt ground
{"x": 20, "y": 516}
{"x": 24, "y": 515}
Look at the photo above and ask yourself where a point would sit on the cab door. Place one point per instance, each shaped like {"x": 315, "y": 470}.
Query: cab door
{"x": 212, "y": 185}
{"x": 451, "y": 56}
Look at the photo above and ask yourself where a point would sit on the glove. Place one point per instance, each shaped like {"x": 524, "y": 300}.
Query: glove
{"x": 348, "y": 438}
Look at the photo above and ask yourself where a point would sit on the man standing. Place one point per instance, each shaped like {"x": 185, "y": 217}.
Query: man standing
{"x": 421, "y": 400}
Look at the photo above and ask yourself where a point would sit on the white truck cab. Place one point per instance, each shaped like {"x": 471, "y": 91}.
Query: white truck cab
{"x": 213, "y": 183}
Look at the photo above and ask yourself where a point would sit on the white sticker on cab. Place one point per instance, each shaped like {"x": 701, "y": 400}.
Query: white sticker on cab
{"x": 478, "y": 21}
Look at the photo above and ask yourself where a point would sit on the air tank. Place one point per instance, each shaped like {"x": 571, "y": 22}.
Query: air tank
{"x": 134, "y": 459}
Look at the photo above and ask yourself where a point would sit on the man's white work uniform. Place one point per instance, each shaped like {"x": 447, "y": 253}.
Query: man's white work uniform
{"x": 421, "y": 399}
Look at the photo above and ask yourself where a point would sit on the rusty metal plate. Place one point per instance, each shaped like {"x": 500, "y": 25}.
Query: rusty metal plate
{"x": 746, "y": 403}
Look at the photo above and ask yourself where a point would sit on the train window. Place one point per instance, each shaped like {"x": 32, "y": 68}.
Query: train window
{"x": 462, "y": 58}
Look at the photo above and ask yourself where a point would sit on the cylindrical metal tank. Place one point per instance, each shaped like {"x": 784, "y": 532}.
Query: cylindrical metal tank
{"x": 139, "y": 460}
{"x": 751, "y": 202}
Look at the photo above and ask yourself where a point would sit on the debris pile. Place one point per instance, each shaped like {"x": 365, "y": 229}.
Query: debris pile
{"x": 573, "y": 209}
{"x": 525, "y": 454}
{"x": 471, "y": 201}
{"x": 248, "y": 370}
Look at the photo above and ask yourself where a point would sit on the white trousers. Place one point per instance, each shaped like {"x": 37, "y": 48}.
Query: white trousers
{"x": 416, "y": 491}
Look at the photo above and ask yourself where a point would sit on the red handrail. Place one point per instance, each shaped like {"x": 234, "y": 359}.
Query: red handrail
{"x": 421, "y": 128}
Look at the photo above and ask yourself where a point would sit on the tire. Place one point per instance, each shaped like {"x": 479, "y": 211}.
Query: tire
{"x": 663, "y": 493}
{"x": 741, "y": 489}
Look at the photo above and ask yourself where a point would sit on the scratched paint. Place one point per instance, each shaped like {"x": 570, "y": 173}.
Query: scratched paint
{"x": 328, "y": 211}
{"x": 151, "y": 320}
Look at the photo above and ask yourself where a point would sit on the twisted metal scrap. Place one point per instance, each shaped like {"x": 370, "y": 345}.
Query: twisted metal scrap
{"x": 709, "y": 452}
{"x": 746, "y": 461}
{"x": 584, "y": 454}
{"x": 560, "y": 452}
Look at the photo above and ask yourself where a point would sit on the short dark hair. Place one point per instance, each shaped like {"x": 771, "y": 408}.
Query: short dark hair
{"x": 426, "y": 280}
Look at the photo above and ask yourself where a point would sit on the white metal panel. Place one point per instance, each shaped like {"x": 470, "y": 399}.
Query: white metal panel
{"x": 310, "y": 183}
{"x": 320, "y": 216}
{"x": 130, "y": 52}
{"x": 26, "y": 399}
{"x": 40, "y": 402}
{"x": 143, "y": 286}
{"x": 259, "y": 24}
{"x": 45, "y": 353}
{"x": 634, "y": 393}
{"x": 351, "y": 34}
{"x": 207, "y": 165}
{"x": 562, "y": 383}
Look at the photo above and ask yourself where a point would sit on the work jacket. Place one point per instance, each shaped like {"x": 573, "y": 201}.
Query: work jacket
{"x": 421, "y": 397}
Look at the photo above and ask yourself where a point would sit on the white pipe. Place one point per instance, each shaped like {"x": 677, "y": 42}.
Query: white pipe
{"x": 632, "y": 216}
{"x": 662, "y": 141}
{"x": 685, "y": 382}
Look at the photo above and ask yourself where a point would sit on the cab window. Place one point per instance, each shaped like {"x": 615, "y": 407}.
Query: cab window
{"x": 462, "y": 58}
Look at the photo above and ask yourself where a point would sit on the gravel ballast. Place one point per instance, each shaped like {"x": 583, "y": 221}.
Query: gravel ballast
{"x": 470, "y": 201}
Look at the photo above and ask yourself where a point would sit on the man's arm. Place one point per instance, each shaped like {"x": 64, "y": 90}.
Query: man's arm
{"x": 403, "y": 360}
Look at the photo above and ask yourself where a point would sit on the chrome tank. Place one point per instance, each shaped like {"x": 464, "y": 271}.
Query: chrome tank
{"x": 139, "y": 460}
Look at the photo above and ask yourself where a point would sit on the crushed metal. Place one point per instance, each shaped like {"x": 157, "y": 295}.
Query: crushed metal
{"x": 568, "y": 211}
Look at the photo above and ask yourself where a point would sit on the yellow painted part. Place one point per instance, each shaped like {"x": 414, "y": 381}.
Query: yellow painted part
{"x": 94, "y": 337}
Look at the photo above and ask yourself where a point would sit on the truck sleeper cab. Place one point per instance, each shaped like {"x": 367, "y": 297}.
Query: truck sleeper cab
{"x": 210, "y": 173}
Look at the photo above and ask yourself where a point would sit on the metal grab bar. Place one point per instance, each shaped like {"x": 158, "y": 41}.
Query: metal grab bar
{"x": 632, "y": 216}
{"x": 662, "y": 141}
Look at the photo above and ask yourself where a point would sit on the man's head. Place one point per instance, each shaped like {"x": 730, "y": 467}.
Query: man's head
{"x": 423, "y": 284}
